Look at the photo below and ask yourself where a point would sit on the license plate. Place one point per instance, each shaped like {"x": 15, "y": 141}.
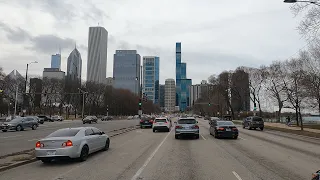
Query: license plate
{"x": 187, "y": 127}
{"x": 228, "y": 129}
{"x": 51, "y": 153}
{"x": 146, "y": 122}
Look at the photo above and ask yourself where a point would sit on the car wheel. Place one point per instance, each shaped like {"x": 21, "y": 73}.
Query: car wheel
{"x": 84, "y": 153}
{"x": 19, "y": 128}
{"x": 154, "y": 130}
{"x": 106, "y": 146}
{"x": 46, "y": 161}
{"x": 83, "y": 122}
{"x": 197, "y": 136}
{"x": 4, "y": 130}
{"x": 249, "y": 128}
{"x": 243, "y": 127}
{"x": 176, "y": 136}
{"x": 261, "y": 128}
{"x": 236, "y": 137}
{"x": 216, "y": 135}
{"x": 210, "y": 133}
{"x": 34, "y": 127}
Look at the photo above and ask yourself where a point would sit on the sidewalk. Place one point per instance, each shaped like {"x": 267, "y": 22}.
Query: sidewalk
{"x": 294, "y": 128}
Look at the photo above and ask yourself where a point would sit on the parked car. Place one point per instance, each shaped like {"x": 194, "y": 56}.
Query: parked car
{"x": 71, "y": 143}
{"x": 207, "y": 118}
{"x": 90, "y": 119}
{"x": 146, "y": 121}
{"x": 253, "y": 122}
{"x": 45, "y": 118}
{"x": 39, "y": 120}
{"x": 106, "y": 118}
{"x": 223, "y": 129}
{"x": 20, "y": 123}
{"x": 161, "y": 124}
{"x": 57, "y": 118}
{"x": 187, "y": 127}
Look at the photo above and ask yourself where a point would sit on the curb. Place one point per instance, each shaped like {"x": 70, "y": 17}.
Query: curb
{"x": 35, "y": 159}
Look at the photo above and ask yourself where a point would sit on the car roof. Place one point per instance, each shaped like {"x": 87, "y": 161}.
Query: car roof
{"x": 224, "y": 121}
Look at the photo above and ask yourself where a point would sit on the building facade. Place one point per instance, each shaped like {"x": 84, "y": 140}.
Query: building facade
{"x": 161, "y": 96}
{"x": 53, "y": 73}
{"x": 126, "y": 70}
{"x": 97, "y": 55}
{"x": 198, "y": 91}
{"x": 182, "y": 83}
{"x": 151, "y": 78}
{"x": 170, "y": 95}
{"x": 74, "y": 65}
{"x": 56, "y": 61}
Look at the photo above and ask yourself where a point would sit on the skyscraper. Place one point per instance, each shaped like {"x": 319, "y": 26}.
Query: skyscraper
{"x": 182, "y": 83}
{"x": 126, "y": 70}
{"x": 97, "y": 55}
{"x": 151, "y": 78}
{"x": 74, "y": 65}
{"x": 161, "y": 95}
{"x": 170, "y": 95}
{"x": 56, "y": 61}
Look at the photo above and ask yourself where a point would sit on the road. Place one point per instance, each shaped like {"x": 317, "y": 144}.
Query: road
{"x": 12, "y": 141}
{"x": 144, "y": 155}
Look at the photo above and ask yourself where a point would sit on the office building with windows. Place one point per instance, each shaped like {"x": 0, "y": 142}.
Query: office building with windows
{"x": 170, "y": 95}
{"x": 97, "y": 55}
{"x": 151, "y": 78}
{"x": 74, "y": 66}
{"x": 161, "y": 95}
{"x": 126, "y": 70}
{"x": 182, "y": 83}
{"x": 56, "y": 61}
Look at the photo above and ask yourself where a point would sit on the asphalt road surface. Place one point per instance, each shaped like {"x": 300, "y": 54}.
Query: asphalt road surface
{"x": 144, "y": 155}
{"x": 13, "y": 141}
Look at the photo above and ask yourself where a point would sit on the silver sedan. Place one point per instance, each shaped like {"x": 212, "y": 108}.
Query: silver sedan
{"x": 71, "y": 143}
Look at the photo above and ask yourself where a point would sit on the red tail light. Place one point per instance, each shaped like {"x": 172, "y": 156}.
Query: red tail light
{"x": 141, "y": 120}
{"x": 178, "y": 127}
{"x": 234, "y": 129}
{"x": 195, "y": 127}
{"x": 39, "y": 144}
{"x": 220, "y": 129}
{"x": 151, "y": 120}
{"x": 67, "y": 144}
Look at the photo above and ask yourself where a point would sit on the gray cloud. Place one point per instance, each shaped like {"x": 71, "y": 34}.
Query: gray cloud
{"x": 15, "y": 34}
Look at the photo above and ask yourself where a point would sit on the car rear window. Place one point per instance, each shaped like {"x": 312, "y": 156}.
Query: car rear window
{"x": 64, "y": 133}
{"x": 187, "y": 121}
{"x": 257, "y": 119}
{"x": 160, "y": 120}
{"x": 225, "y": 123}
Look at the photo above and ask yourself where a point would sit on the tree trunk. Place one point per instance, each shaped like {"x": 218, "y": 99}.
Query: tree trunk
{"x": 279, "y": 114}
{"x": 297, "y": 116}
{"x": 260, "y": 112}
{"x": 301, "y": 122}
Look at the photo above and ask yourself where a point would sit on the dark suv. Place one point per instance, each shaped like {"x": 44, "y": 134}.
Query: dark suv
{"x": 253, "y": 122}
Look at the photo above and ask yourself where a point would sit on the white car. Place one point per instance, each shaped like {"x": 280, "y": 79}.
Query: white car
{"x": 71, "y": 143}
{"x": 160, "y": 124}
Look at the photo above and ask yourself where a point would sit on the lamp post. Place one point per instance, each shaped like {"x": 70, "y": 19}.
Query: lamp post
{"x": 295, "y": 1}
{"x": 83, "y": 94}
{"x": 25, "y": 84}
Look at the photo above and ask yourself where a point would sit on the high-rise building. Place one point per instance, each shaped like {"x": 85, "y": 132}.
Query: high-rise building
{"x": 56, "y": 61}
{"x": 74, "y": 65}
{"x": 162, "y": 95}
{"x": 126, "y": 70}
{"x": 170, "y": 95}
{"x": 97, "y": 55}
{"x": 53, "y": 73}
{"x": 182, "y": 83}
{"x": 151, "y": 78}
{"x": 198, "y": 91}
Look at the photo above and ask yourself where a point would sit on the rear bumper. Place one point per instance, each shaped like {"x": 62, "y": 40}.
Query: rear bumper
{"x": 256, "y": 125}
{"x": 227, "y": 134}
{"x": 161, "y": 128}
{"x": 187, "y": 132}
{"x": 70, "y": 152}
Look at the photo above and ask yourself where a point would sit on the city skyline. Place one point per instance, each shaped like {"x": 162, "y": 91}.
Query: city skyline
{"x": 203, "y": 49}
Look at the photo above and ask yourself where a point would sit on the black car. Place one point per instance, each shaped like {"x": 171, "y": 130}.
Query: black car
{"x": 223, "y": 129}
{"x": 146, "y": 122}
{"x": 253, "y": 122}
{"x": 90, "y": 119}
{"x": 106, "y": 118}
{"x": 45, "y": 118}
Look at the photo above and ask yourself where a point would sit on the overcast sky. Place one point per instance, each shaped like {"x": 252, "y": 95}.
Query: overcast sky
{"x": 215, "y": 35}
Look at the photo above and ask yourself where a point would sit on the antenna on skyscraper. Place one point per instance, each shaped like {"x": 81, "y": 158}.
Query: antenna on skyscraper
{"x": 98, "y": 24}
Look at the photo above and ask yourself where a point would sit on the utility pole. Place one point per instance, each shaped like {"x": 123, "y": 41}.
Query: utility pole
{"x": 107, "y": 110}
{"x": 83, "y": 94}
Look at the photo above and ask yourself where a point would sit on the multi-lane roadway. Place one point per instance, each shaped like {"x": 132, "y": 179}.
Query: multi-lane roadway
{"x": 144, "y": 155}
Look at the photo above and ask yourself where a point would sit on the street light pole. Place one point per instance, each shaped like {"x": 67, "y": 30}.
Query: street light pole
{"x": 83, "y": 94}
{"x": 25, "y": 85}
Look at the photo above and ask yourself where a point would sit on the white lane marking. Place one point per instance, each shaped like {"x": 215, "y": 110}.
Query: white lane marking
{"x": 149, "y": 159}
{"x": 10, "y": 137}
{"x": 33, "y": 139}
{"x": 236, "y": 175}
{"x": 203, "y": 137}
{"x": 242, "y": 138}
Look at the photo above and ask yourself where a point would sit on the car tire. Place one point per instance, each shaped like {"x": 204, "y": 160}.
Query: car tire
{"x": 140, "y": 127}
{"x": 236, "y": 137}
{"x": 154, "y": 130}
{"x": 210, "y": 133}
{"x": 107, "y": 145}
{"x": 243, "y": 127}
{"x": 261, "y": 129}
{"x": 197, "y": 136}
{"x": 4, "y": 130}
{"x": 176, "y": 136}
{"x": 84, "y": 153}
{"x": 19, "y": 128}
{"x": 34, "y": 127}
{"x": 216, "y": 136}
{"x": 46, "y": 161}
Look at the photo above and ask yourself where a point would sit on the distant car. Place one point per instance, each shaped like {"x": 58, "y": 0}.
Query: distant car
{"x": 253, "y": 122}
{"x": 40, "y": 121}
{"x": 225, "y": 129}
{"x": 45, "y": 118}
{"x": 316, "y": 175}
{"x": 146, "y": 121}
{"x": 71, "y": 143}
{"x": 20, "y": 123}
{"x": 207, "y": 118}
{"x": 161, "y": 124}
{"x": 57, "y": 118}
{"x": 106, "y": 118}
{"x": 90, "y": 119}
{"x": 212, "y": 119}
{"x": 187, "y": 126}
{"x": 130, "y": 117}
